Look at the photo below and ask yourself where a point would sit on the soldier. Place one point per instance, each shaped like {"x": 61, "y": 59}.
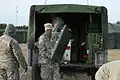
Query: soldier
{"x": 57, "y": 23}
{"x": 11, "y": 55}
{"x": 49, "y": 69}
{"x": 109, "y": 71}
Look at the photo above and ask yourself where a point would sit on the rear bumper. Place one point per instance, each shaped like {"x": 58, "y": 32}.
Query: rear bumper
{"x": 75, "y": 67}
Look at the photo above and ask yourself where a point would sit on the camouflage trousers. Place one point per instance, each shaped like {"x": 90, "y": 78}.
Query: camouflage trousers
{"x": 50, "y": 72}
{"x": 9, "y": 75}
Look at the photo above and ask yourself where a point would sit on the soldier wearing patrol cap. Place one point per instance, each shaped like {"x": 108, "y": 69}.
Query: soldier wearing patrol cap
{"x": 11, "y": 55}
{"x": 49, "y": 71}
{"x": 48, "y": 26}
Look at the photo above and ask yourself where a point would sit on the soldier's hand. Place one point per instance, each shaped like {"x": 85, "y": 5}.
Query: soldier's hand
{"x": 26, "y": 69}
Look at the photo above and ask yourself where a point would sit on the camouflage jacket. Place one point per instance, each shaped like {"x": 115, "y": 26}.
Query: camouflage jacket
{"x": 11, "y": 54}
{"x": 46, "y": 47}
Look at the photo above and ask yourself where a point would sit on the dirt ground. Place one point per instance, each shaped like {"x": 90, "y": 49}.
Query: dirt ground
{"x": 113, "y": 54}
{"x": 27, "y": 75}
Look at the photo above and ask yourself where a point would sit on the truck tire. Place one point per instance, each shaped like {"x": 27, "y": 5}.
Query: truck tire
{"x": 36, "y": 73}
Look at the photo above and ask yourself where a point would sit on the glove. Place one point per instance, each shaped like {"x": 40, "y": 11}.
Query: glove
{"x": 26, "y": 69}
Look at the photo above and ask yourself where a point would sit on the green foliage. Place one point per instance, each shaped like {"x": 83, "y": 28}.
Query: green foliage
{"x": 118, "y": 22}
{"x": 22, "y": 27}
{"x": 3, "y": 26}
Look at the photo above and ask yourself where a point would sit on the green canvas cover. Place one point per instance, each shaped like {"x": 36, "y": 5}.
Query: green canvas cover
{"x": 63, "y": 8}
{"x": 113, "y": 28}
{"x": 59, "y": 8}
{"x": 114, "y": 36}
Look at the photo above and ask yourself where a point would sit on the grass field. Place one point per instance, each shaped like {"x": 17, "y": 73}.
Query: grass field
{"x": 113, "y": 54}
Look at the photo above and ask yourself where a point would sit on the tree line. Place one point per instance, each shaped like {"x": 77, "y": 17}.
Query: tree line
{"x": 3, "y": 26}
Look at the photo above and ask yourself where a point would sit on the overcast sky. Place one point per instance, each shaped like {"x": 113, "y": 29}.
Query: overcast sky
{"x": 8, "y": 9}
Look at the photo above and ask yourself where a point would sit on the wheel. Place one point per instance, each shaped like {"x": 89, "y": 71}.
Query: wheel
{"x": 36, "y": 73}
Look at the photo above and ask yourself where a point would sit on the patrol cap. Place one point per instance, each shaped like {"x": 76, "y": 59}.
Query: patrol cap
{"x": 48, "y": 26}
{"x": 10, "y": 28}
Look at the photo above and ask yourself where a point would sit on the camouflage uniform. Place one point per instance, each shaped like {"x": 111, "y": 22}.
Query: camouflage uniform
{"x": 49, "y": 70}
{"x": 10, "y": 57}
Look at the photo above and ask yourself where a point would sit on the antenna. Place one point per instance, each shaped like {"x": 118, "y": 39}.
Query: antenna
{"x": 45, "y": 2}
{"x": 16, "y": 15}
{"x": 88, "y": 2}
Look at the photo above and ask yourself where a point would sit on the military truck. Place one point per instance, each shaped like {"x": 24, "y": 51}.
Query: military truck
{"x": 88, "y": 25}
